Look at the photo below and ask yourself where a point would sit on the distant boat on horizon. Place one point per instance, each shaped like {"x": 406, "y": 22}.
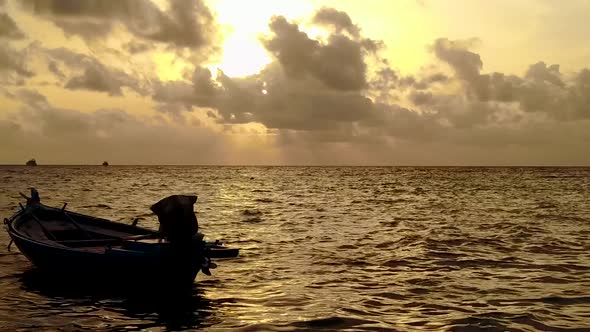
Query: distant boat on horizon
{"x": 31, "y": 162}
{"x": 105, "y": 163}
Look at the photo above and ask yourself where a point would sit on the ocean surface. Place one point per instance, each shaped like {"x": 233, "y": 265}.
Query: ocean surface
{"x": 329, "y": 248}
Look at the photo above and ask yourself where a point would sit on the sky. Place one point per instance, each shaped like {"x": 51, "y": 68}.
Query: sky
{"x": 307, "y": 82}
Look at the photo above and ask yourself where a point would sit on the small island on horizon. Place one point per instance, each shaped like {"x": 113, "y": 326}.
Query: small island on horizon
{"x": 31, "y": 162}
{"x": 105, "y": 163}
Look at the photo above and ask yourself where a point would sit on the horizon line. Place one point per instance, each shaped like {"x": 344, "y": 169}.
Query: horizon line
{"x": 299, "y": 165}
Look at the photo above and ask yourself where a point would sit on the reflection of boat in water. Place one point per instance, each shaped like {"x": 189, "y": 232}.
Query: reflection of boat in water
{"x": 67, "y": 243}
{"x": 105, "y": 163}
{"x": 31, "y": 162}
{"x": 130, "y": 306}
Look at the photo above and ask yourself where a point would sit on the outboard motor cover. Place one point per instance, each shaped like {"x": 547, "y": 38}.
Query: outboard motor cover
{"x": 178, "y": 222}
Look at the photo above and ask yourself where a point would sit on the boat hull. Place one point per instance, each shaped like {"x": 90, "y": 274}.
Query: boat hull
{"x": 116, "y": 266}
{"x": 136, "y": 262}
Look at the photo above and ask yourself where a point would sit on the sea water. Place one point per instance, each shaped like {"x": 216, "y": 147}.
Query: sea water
{"x": 332, "y": 248}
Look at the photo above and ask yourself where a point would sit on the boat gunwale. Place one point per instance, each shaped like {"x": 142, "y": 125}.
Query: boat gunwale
{"x": 14, "y": 232}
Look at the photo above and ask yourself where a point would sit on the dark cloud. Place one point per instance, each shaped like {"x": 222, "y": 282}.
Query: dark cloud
{"x": 339, "y": 63}
{"x": 87, "y": 29}
{"x": 466, "y": 64}
{"x": 270, "y": 98}
{"x": 291, "y": 46}
{"x": 431, "y": 79}
{"x": 184, "y": 24}
{"x": 90, "y": 74}
{"x": 8, "y": 28}
{"x": 200, "y": 92}
{"x": 542, "y": 89}
{"x": 387, "y": 82}
{"x": 421, "y": 98}
{"x": 540, "y": 72}
{"x": 97, "y": 78}
{"x": 32, "y": 99}
{"x": 134, "y": 47}
{"x": 578, "y": 96}
{"x": 53, "y": 67}
{"x": 336, "y": 19}
{"x": 13, "y": 65}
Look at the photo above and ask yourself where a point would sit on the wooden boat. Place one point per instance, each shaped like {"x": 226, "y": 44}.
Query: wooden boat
{"x": 69, "y": 243}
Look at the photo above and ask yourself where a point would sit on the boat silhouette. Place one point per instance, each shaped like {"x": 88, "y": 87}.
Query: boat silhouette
{"x": 62, "y": 242}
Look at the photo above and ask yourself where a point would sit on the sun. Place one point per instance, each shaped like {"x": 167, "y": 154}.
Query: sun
{"x": 243, "y": 23}
{"x": 242, "y": 56}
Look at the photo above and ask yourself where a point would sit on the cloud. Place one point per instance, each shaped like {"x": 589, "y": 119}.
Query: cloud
{"x": 96, "y": 78}
{"x": 135, "y": 47}
{"x": 456, "y": 53}
{"x": 542, "y": 88}
{"x": 53, "y": 67}
{"x": 87, "y": 29}
{"x": 185, "y": 24}
{"x": 338, "y": 20}
{"x": 13, "y": 65}
{"x": 8, "y": 28}
{"x": 311, "y": 85}
{"x": 57, "y": 135}
{"x": 339, "y": 63}
{"x": 270, "y": 98}
{"x": 90, "y": 73}
{"x": 540, "y": 72}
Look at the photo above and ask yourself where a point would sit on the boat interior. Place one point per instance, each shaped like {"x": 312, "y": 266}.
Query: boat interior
{"x": 57, "y": 226}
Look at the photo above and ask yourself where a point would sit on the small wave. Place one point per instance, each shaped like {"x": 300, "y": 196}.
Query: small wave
{"x": 253, "y": 212}
{"x": 500, "y": 321}
{"x": 252, "y": 220}
{"x": 384, "y": 245}
{"x": 478, "y": 263}
{"x": 347, "y": 246}
{"x": 559, "y": 217}
{"x": 392, "y": 296}
{"x": 546, "y": 205}
{"x": 261, "y": 191}
{"x": 387, "y": 201}
{"x": 396, "y": 263}
{"x": 333, "y": 323}
{"x": 566, "y": 300}
{"x": 102, "y": 206}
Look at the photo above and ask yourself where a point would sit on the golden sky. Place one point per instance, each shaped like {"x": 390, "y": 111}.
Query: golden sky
{"x": 346, "y": 82}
